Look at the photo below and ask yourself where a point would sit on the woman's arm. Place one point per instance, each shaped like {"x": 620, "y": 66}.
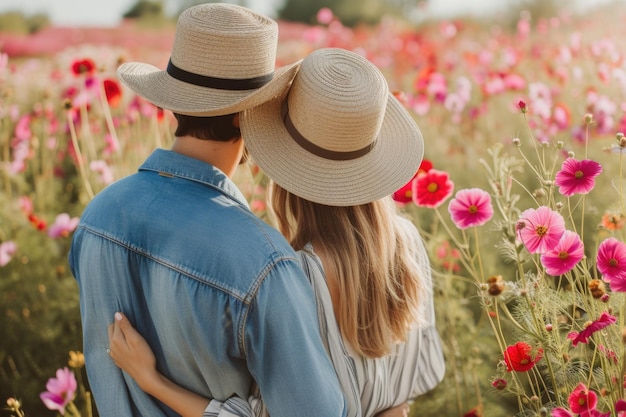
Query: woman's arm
{"x": 130, "y": 351}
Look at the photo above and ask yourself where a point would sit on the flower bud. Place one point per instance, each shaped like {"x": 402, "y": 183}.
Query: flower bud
{"x": 13, "y": 404}
{"x": 597, "y": 288}
{"x": 588, "y": 118}
{"x": 517, "y": 142}
{"x": 559, "y": 205}
{"x": 560, "y": 144}
{"x": 499, "y": 384}
{"x": 605, "y": 298}
{"x": 77, "y": 359}
{"x": 496, "y": 285}
{"x": 548, "y": 327}
{"x": 522, "y": 106}
{"x": 571, "y": 154}
{"x": 539, "y": 193}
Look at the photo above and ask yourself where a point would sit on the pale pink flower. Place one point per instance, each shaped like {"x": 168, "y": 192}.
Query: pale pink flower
{"x": 325, "y": 16}
{"x": 60, "y": 390}
{"x": 7, "y": 250}
{"x": 63, "y": 226}
{"x": 470, "y": 207}
{"x": 563, "y": 257}
{"x": 105, "y": 172}
{"x": 540, "y": 229}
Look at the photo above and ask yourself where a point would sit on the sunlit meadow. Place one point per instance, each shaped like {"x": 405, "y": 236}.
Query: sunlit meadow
{"x": 520, "y": 200}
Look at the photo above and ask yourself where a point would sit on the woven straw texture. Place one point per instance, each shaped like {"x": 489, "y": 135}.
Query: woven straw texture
{"x": 216, "y": 40}
{"x": 341, "y": 102}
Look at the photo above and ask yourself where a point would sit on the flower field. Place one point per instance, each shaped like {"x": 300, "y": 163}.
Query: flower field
{"x": 520, "y": 198}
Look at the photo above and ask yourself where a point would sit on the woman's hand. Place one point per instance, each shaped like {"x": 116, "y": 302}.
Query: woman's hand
{"x": 130, "y": 351}
{"x": 401, "y": 410}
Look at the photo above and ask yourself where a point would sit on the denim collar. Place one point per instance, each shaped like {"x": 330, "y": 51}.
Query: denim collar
{"x": 170, "y": 163}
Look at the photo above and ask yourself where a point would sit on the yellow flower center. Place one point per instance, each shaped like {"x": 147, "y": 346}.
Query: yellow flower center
{"x": 472, "y": 209}
{"x": 541, "y": 231}
{"x": 432, "y": 187}
{"x": 579, "y": 174}
{"x": 563, "y": 255}
{"x": 613, "y": 262}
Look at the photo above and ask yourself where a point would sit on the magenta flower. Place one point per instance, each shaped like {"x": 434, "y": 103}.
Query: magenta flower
{"x": 540, "y": 230}
{"x": 592, "y": 327}
{"x": 470, "y": 207}
{"x": 565, "y": 255}
{"x": 61, "y": 390}
{"x": 63, "y": 225}
{"x": 577, "y": 177}
{"x": 582, "y": 399}
{"x": 432, "y": 188}
{"x": 7, "y": 250}
{"x": 611, "y": 262}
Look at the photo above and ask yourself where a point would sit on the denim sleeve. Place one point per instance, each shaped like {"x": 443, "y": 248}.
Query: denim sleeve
{"x": 284, "y": 349}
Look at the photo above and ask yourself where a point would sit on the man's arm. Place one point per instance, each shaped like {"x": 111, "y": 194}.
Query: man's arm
{"x": 284, "y": 348}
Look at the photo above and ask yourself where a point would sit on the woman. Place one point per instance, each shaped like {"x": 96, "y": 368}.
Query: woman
{"x": 336, "y": 147}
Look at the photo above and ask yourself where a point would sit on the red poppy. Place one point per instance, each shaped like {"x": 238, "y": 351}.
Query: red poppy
{"x": 37, "y": 222}
{"x": 404, "y": 194}
{"x": 83, "y": 66}
{"x": 112, "y": 91}
{"x": 518, "y": 357}
{"x": 432, "y": 188}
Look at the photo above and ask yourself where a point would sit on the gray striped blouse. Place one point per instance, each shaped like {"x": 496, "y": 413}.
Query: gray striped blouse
{"x": 369, "y": 385}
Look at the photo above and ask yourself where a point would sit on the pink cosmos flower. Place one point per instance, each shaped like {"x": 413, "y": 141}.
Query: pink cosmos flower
{"x": 63, "y": 225}
{"x": 565, "y": 255}
{"x": 611, "y": 262}
{"x": 432, "y": 188}
{"x": 7, "y": 250}
{"x": 540, "y": 229}
{"x": 470, "y": 207}
{"x": 582, "y": 399}
{"x": 603, "y": 321}
{"x": 61, "y": 390}
{"x": 105, "y": 172}
{"x": 577, "y": 177}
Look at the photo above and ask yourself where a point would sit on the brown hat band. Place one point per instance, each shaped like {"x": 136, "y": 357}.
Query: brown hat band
{"x": 316, "y": 150}
{"x": 218, "y": 83}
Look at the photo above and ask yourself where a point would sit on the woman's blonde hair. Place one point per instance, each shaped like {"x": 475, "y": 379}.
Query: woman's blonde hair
{"x": 374, "y": 260}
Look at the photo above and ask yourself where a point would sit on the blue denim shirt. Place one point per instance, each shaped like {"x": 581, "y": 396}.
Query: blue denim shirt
{"x": 218, "y": 294}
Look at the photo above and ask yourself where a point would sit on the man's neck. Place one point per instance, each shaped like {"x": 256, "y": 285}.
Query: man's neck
{"x": 223, "y": 155}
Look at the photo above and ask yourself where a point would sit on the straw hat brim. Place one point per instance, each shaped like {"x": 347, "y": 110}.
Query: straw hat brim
{"x": 162, "y": 90}
{"x": 390, "y": 164}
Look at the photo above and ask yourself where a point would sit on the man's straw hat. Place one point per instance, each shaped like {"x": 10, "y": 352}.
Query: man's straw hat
{"x": 223, "y": 61}
{"x": 339, "y": 137}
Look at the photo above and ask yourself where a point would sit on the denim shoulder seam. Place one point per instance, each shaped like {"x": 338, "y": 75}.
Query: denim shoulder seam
{"x": 251, "y": 297}
{"x": 245, "y": 300}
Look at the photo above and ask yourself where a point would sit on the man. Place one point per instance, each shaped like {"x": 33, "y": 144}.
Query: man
{"x": 217, "y": 293}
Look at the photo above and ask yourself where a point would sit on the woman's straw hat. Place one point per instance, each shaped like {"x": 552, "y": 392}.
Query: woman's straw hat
{"x": 338, "y": 137}
{"x": 223, "y": 61}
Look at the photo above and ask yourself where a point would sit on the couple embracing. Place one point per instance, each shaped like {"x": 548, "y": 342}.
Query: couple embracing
{"x": 214, "y": 311}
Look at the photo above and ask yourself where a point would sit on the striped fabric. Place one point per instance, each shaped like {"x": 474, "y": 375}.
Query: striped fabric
{"x": 369, "y": 385}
